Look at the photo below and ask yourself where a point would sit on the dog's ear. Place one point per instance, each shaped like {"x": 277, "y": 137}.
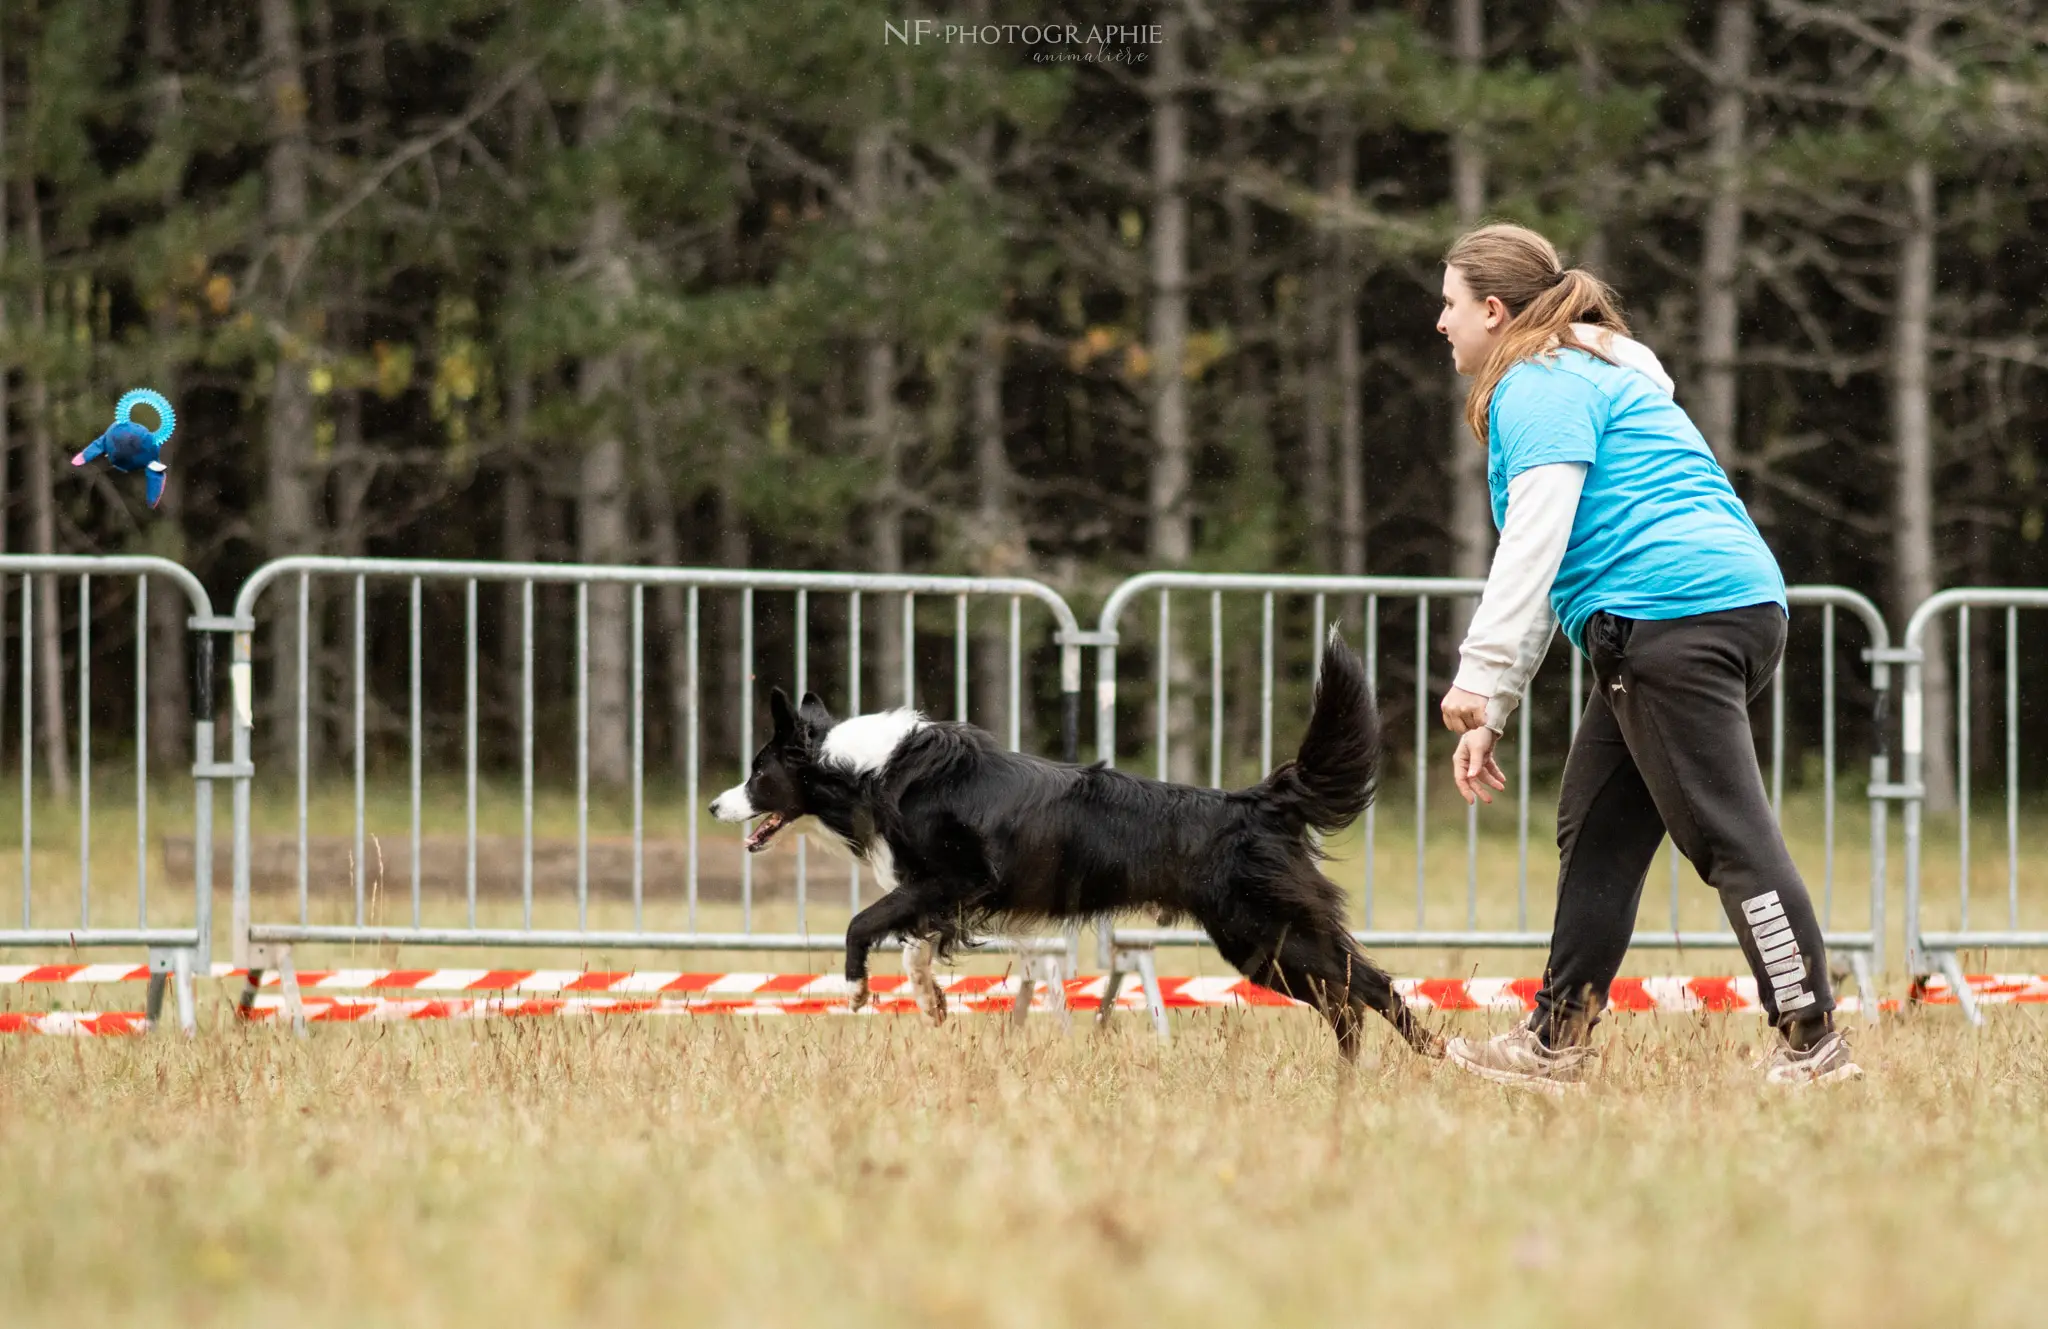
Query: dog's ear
{"x": 785, "y": 719}
{"x": 813, "y": 715}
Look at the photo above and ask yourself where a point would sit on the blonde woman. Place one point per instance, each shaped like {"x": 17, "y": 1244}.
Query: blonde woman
{"x": 1617, "y": 524}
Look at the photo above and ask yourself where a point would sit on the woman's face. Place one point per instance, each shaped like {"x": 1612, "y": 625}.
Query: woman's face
{"x": 1471, "y": 325}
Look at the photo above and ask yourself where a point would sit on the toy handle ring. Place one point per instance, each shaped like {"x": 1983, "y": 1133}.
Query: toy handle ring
{"x": 166, "y": 417}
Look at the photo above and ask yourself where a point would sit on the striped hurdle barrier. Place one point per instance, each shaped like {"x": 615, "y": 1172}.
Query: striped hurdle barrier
{"x": 516, "y": 993}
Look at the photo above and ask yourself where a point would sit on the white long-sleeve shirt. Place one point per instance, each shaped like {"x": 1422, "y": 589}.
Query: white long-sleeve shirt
{"x": 1511, "y": 631}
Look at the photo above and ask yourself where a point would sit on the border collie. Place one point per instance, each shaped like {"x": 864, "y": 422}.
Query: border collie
{"x": 963, "y": 834}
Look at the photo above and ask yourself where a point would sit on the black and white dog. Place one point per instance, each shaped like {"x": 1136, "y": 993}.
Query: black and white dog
{"x": 963, "y": 834}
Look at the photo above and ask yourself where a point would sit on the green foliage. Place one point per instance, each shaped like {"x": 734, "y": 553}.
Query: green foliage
{"x": 452, "y": 298}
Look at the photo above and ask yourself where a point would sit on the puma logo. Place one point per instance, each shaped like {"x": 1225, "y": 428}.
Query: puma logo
{"x": 1779, "y": 952}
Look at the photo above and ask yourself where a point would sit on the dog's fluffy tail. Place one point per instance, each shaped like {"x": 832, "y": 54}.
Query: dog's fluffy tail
{"x": 1330, "y": 781}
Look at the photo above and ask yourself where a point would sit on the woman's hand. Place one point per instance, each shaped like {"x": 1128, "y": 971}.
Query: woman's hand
{"x": 1463, "y": 712}
{"x": 1474, "y": 765}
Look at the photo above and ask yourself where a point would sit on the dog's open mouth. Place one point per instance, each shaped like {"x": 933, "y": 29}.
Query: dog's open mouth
{"x": 764, "y": 831}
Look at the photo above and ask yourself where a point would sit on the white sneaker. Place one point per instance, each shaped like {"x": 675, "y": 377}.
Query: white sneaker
{"x": 1519, "y": 1058}
{"x": 1826, "y": 1062}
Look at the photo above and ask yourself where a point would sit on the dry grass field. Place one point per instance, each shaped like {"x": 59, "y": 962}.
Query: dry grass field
{"x": 876, "y": 1171}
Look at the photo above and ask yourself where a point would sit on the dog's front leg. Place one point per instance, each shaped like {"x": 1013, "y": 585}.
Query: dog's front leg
{"x": 895, "y": 912}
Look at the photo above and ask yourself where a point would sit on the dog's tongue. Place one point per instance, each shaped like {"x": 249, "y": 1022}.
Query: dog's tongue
{"x": 764, "y": 831}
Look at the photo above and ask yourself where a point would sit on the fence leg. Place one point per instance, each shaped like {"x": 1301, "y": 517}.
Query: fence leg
{"x": 170, "y": 967}
{"x": 288, "y": 981}
{"x": 181, "y": 978}
{"x": 245, "y": 1005}
{"x": 1866, "y": 984}
{"x": 1952, "y": 969}
{"x": 1056, "y": 990}
{"x": 1027, "y": 987}
{"x": 1111, "y": 981}
{"x": 262, "y": 959}
{"x": 153, "y": 998}
{"x": 1155, "y": 1000}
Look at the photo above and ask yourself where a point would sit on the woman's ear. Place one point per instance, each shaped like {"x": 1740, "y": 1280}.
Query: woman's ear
{"x": 1496, "y": 314}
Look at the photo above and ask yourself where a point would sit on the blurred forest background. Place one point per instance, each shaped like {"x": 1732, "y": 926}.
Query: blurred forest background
{"x": 762, "y": 285}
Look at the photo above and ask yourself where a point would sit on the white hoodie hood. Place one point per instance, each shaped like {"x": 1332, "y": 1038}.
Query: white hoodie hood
{"x": 1625, "y": 351}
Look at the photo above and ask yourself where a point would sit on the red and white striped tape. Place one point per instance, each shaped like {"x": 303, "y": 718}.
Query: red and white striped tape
{"x": 1662, "y": 993}
{"x": 528, "y": 992}
{"x": 78, "y": 1024}
{"x": 1634, "y": 994}
{"x": 77, "y": 973}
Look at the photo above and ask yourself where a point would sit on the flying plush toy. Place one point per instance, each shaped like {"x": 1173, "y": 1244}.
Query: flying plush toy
{"x": 130, "y": 447}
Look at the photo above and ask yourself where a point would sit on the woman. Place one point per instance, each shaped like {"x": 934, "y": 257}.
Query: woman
{"x": 1617, "y": 523}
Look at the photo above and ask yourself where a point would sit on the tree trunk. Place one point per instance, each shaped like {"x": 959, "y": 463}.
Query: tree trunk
{"x": 1980, "y": 549}
{"x": 1171, "y": 536}
{"x": 1172, "y": 527}
{"x": 1987, "y": 701}
{"x": 516, "y": 513}
{"x": 6, "y": 385}
{"x": 169, "y": 705}
{"x": 1471, "y": 511}
{"x": 1002, "y": 552}
{"x": 603, "y": 533}
{"x": 1596, "y": 196}
{"x": 49, "y": 662}
{"x": 1913, "y": 554}
{"x": 1318, "y": 313}
{"x": 1351, "y": 496}
{"x": 323, "y": 68}
{"x": 517, "y": 520}
{"x": 735, "y": 550}
{"x": 1335, "y": 148}
{"x": 288, "y": 428}
{"x": 881, "y": 427}
{"x": 1913, "y": 549}
{"x": 1721, "y": 246}
{"x": 999, "y": 547}
{"x": 1249, "y": 424}
{"x": 665, "y": 548}
{"x": 1350, "y": 442}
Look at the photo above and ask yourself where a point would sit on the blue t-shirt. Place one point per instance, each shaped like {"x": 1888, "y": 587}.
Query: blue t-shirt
{"x": 1659, "y": 532}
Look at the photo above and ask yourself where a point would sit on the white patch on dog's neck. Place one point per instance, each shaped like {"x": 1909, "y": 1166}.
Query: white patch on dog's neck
{"x": 877, "y": 859}
{"x": 882, "y": 863}
{"x": 825, "y": 838}
{"x": 865, "y": 743}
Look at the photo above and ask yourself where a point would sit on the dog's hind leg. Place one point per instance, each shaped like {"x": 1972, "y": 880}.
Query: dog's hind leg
{"x": 917, "y": 962}
{"x": 1329, "y": 972}
{"x": 1277, "y": 961}
{"x": 1295, "y": 972}
{"x": 1351, "y": 984}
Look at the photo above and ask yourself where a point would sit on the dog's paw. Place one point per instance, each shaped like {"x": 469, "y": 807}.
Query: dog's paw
{"x": 933, "y": 1003}
{"x": 861, "y": 995}
{"x": 1429, "y": 1044}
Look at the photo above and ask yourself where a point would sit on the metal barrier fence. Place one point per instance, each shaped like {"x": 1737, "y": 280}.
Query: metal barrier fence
{"x": 176, "y": 949}
{"x": 672, "y": 916}
{"x": 1934, "y": 949}
{"x": 62, "y": 594}
{"x": 1122, "y": 949}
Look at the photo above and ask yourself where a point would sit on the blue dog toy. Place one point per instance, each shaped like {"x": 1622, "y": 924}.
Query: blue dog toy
{"x": 129, "y": 446}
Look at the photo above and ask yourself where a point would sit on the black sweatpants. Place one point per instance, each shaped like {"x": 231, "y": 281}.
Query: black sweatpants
{"x": 1665, "y": 744}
